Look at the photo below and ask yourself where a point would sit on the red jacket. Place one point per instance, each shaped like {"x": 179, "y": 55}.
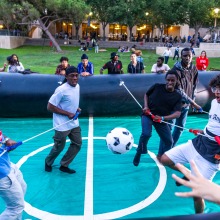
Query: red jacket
{"x": 202, "y": 63}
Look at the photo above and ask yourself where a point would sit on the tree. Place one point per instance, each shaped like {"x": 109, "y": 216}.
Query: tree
{"x": 6, "y": 15}
{"x": 76, "y": 12}
{"x": 131, "y": 13}
{"x": 104, "y": 11}
{"x": 43, "y": 13}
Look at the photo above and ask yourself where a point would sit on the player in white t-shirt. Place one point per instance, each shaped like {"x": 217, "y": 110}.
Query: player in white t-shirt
{"x": 64, "y": 104}
{"x": 204, "y": 150}
{"x": 160, "y": 67}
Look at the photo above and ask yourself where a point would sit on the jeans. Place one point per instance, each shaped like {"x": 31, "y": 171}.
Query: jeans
{"x": 166, "y": 59}
{"x": 181, "y": 121}
{"x": 12, "y": 191}
{"x": 59, "y": 144}
{"x": 163, "y": 131}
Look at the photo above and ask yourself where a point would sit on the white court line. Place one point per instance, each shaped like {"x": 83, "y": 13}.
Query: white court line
{"x": 44, "y": 215}
{"x": 88, "y": 202}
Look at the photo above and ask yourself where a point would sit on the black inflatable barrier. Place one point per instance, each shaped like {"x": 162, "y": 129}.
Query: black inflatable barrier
{"x": 27, "y": 95}
{"x": 206, "y": 216}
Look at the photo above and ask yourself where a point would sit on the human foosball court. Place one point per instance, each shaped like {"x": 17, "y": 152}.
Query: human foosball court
{"x": 105, "y": 185}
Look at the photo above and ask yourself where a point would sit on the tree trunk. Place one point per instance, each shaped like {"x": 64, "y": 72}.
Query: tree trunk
{"x": 103, "y": 28}
{"x": 130, "y": 30}
{"x": 77, "y": 32}
{"x": 196, "y": 33}
{"x": 44, "y": 28}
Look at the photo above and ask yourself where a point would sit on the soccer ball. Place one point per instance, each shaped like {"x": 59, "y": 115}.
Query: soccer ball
{"x": 119, "y": 140}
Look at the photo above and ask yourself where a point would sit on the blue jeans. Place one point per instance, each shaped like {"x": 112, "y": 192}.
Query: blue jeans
{"x": 181, "y": 121}
{"x": 163, "y": 131}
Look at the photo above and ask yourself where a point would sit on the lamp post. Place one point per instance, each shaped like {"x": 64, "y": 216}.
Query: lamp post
{"x": 88, "y": 22}
{"x": 147, "y": 13}
{"x": 216, "y": 10}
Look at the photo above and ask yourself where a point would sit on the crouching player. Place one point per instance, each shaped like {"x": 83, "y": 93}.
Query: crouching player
{"x": 204, "y": 149}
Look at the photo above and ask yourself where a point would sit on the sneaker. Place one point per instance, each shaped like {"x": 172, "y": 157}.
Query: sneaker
{"x": 48, "y": 168}
{"x": 137, "y": 158}
{"x": 66, "y": 170}
{"x": 184, "y": 178}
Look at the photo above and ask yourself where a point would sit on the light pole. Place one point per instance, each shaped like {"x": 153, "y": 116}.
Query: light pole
{"x": 147, "y": 13}
{"x": 88, "y": 23}
{"x": 216, "y": 10}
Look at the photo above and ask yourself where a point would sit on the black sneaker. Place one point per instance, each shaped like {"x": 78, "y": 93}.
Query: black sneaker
{"x": 66, "y": 170}
{"x": 137, "y": 158}
{"x": 184, "y": 178}
{"x": 48, "y": 168}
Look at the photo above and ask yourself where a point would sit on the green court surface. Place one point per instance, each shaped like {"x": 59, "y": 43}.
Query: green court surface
{"x": 106, "y": 185}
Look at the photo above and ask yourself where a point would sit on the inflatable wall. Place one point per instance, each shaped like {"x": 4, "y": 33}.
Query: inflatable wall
{"x": 101, "y": 95}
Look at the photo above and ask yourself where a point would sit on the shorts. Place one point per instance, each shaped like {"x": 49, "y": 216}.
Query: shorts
{"x": 186, "y": 152}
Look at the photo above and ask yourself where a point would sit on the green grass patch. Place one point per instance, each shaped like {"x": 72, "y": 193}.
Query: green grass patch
{"x": 43, "y": 60}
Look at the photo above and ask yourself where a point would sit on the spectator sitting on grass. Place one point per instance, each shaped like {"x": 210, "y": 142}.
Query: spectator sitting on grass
{"x": 61, "y": 69}
{"x": 14, "y": 66}
{"x": 85, "y": 68}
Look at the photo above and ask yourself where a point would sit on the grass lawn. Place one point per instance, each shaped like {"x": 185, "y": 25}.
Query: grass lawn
{"x": 41, "y": 59}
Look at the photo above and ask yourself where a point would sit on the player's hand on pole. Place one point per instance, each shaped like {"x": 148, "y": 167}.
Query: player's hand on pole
{"x": 157, "y": 118}
{"x": 10, "y": 142}
{"x": 146, "y": 111}
{"x": 14, "y": 146}
{"x": 196, "y": 131}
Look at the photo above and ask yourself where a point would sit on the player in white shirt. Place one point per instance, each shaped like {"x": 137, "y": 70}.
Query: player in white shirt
{"x": 204, "y": 149}
{"x": 64, "y": 104}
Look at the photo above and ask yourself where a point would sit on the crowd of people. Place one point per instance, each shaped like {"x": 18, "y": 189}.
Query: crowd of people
{"x": 114, "y": 66}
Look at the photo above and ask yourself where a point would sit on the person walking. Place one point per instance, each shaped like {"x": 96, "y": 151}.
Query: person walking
{"x": 64, "y": 104}
{"x": 176, "y": 53}
{"x": 167, "y": 53}
{"x": 12, "y": 184}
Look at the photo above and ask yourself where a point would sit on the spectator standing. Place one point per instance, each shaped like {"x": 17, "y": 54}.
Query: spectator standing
{"x": 187, "y": 80}
{"x": 61, "y": 69}
{"x": 85, "y": 68}
{"x": 12, "y": 184}
{"x": 114, "y": 66}
{"x": 202, "y": 62}
{"x": 14, "y": 65}
{"x": 96, "y": 44}
{"x": 135, "y": 66}
{"x": 176, "y": 53}
{"x": 64, "y": 104}
{"x": 167, "y": 53}
{"x": 160, "y": 67}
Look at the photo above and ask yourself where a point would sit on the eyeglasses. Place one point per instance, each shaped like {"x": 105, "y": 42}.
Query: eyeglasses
{"x": 215, "y": 89}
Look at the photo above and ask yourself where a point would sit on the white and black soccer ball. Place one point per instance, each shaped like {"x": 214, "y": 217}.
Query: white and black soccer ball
{"x": 119, "y": 140}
